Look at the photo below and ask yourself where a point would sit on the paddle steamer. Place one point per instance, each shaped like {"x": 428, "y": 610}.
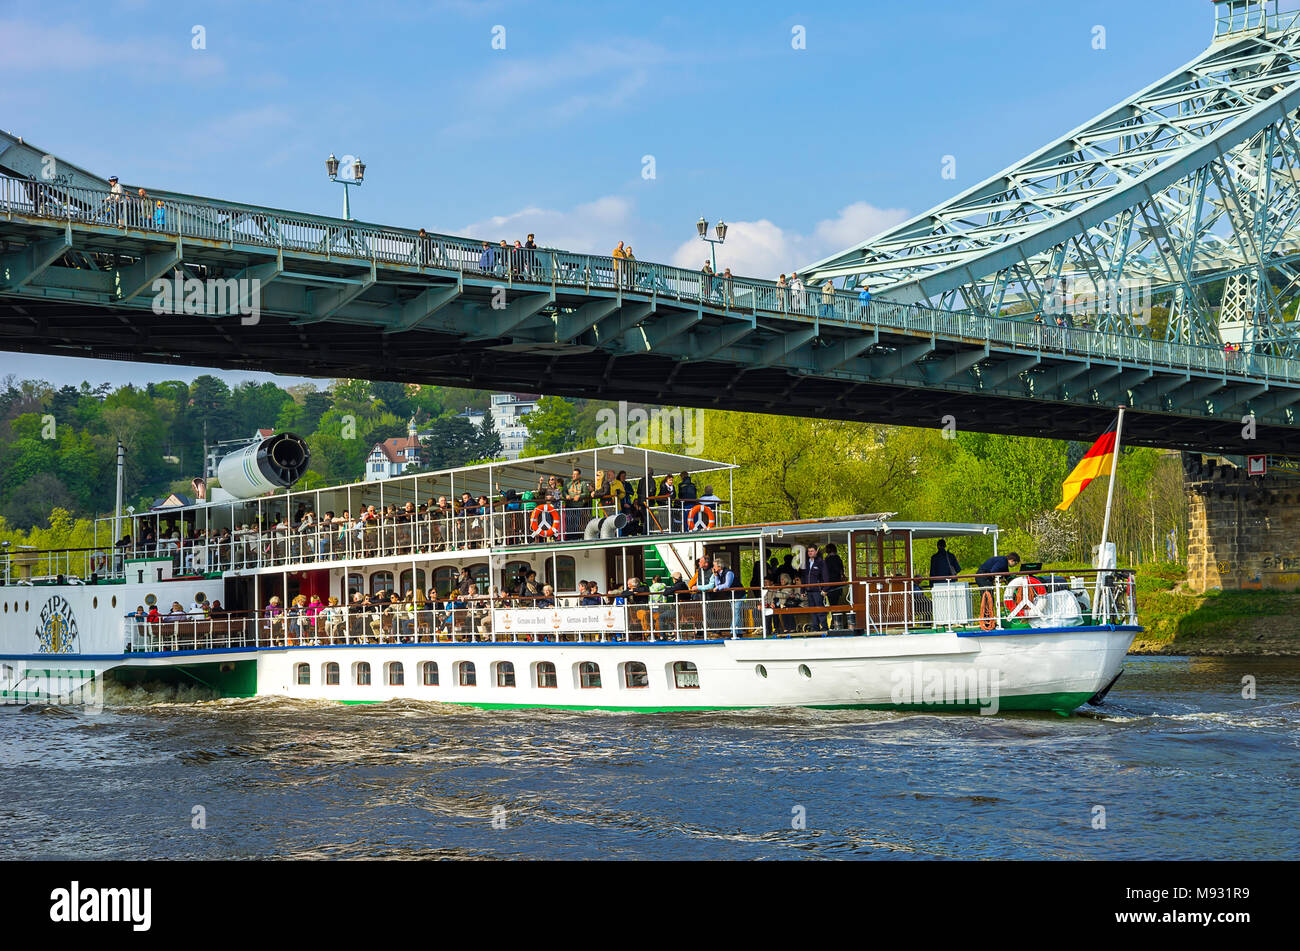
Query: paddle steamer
{"x": 870, "y": 632}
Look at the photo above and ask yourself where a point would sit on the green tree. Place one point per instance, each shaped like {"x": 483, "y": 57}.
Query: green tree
{"x": 452, "y": 441}
{"x": 489, "y": 440}
{"x": 552, "y": 427}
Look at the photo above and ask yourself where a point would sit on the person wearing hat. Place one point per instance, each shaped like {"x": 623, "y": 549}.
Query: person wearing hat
{"x": 116, "y": 196}
{"x": 159, "y": 215}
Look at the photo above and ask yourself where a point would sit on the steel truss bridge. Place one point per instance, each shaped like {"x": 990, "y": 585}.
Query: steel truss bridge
{"x": 1190, "y": 181}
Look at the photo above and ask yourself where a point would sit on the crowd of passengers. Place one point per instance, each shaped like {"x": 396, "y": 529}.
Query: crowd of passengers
{"x": 663, "y": 603}
{"x": 552, "y": 512}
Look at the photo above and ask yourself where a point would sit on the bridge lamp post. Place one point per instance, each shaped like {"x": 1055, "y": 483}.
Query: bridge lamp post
{"x": 358, "y": 175}
{"x": 702, "y": 227}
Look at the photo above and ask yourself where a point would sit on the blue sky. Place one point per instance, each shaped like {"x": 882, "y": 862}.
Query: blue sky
{"x": 802, "y": 151}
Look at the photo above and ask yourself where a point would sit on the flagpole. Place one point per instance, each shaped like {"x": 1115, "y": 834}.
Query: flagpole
{"x": 1110, "y": 496}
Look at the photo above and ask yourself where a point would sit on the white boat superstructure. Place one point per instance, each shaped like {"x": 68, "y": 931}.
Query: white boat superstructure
{"x": 642, "y": 597}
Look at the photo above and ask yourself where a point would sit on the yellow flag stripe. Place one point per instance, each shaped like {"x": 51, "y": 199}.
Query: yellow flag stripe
{"x": 1089, "y": 468}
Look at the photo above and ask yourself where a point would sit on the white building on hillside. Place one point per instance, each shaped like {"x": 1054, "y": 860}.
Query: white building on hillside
{"x": 508, "y": 411}
{"x": 393, "y": 456}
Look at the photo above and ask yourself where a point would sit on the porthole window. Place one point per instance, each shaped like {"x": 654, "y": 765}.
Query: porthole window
{"x": 151, "y": 599}
{"x": 94, "y": 602}
{"x": 361, "y": 674}
{"x": 804, "y": 671}
{"x": 760, "y": 670}
{"x": 114, "y": 600}
{"x": 304, "y": 674}
{"x": 468, "y": 676}
{"x": 396, "y": 674}
{"x": 505, "y": 674}
{"x": 331, "y": 677}
{"x": 546, "y": 674}
{"x": 429, "y": 673}
{"x": 635, "y": 675}
{"x": 589, "y": 674}
{"x": 685, "y": 675}
{"x": 27, "y": 606}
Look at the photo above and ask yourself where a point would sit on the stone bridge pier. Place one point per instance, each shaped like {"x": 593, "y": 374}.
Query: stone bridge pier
{"x": 1243, "y": 531}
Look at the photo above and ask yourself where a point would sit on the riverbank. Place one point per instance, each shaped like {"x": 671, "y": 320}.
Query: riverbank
{"x": 1217, "y": 623}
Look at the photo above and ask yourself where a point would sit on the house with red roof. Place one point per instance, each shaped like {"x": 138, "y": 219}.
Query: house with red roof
{"x": 393, "y": 456}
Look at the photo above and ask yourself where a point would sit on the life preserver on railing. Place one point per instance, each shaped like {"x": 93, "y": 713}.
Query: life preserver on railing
{"x": 701, "y": 518}
{"x": 1020, "y": 593}
{"x": 543, "y": 521}
{"x": 988, "y": 612}
{"x": 100, "y": 562}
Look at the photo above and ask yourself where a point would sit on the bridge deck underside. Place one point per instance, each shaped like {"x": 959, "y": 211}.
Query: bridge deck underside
{"x": 329, "y": 318}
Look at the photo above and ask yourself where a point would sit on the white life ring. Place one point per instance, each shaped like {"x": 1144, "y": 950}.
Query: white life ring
{"x": 1019, "y": 595}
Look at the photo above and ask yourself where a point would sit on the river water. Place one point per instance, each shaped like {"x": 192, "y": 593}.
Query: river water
{"x": 1182, "y": 765}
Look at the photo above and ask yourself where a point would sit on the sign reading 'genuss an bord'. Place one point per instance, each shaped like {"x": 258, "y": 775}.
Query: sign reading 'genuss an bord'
{"x": 566, "y": 620}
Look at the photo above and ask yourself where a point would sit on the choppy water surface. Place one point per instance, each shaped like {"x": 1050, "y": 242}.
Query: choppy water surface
{"x": 1184, "y": 766}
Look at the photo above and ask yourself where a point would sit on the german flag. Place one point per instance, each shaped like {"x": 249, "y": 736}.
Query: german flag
{"x": 1095, "y": 462}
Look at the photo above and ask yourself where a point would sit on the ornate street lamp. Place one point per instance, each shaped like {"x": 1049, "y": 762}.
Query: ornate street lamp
{"x": 358, "y": 176}
{"x": 702, "y": 227}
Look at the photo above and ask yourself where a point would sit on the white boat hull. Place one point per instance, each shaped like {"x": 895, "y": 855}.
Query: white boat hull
{"x": 1025, "y": 669}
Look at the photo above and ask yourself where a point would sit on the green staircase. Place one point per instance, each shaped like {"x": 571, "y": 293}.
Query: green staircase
{"x": 654, "y": 564}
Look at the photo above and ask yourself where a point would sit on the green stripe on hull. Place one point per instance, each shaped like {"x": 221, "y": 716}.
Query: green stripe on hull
{"x": 1062, "y": 703}
{"x": 225, "y": 678}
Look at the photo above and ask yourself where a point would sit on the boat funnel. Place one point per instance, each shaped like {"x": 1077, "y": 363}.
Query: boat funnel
{"x": 612, "y": 525}
{"x": 264, "y": 466}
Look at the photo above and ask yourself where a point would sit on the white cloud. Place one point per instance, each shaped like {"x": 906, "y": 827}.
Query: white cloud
{"x": 763, "y": 249}
{"x": 558, "y": 88}
{"x": 593, "y": 228}
{"x": 39, "y": 47}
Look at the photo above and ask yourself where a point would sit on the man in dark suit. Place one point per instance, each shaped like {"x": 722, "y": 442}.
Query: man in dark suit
{"x": 815, "y": 573}
{"x": 943, "y": 563}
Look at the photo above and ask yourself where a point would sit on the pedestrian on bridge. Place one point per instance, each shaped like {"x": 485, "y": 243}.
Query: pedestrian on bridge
{"x": 485, "y": 259}
{"x": 706, "y": 282}
{"x": 797, "y": 298}
{"x": 530, "y": 257}
{"x": 618, "y": 254}
{"x": 828, "y": 298}
{"x": 864, "y": 299}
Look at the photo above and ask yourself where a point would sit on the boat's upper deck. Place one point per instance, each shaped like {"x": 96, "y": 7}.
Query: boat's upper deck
{"x": 592, "y": 493}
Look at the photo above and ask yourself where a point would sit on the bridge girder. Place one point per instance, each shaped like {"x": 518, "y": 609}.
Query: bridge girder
{"x": 1192, "y": 180}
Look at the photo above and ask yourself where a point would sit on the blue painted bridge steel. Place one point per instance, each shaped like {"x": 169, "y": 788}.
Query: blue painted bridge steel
{"x": 78, "y": 275}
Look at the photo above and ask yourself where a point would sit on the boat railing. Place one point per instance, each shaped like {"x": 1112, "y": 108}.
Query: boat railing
{"x": 246, "y": 549}
{"x": 513, "y": 620}
{"x": 899, "y": 604}
{"x": 22, "y": 565}
{"x": 894, "y": 605}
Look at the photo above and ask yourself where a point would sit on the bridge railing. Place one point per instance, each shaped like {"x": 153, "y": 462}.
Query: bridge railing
{"x": 211, "y": 220}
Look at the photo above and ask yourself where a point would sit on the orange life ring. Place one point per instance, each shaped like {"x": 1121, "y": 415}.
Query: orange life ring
{"x": 544, "y": 526}
{"x": 701, "y": 517}
{"x": 988, "y": 612}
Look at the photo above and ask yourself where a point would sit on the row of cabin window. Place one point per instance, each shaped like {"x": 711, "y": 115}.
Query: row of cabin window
{"x": 444, "y": 578}
{"x": 685, "y": 674}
